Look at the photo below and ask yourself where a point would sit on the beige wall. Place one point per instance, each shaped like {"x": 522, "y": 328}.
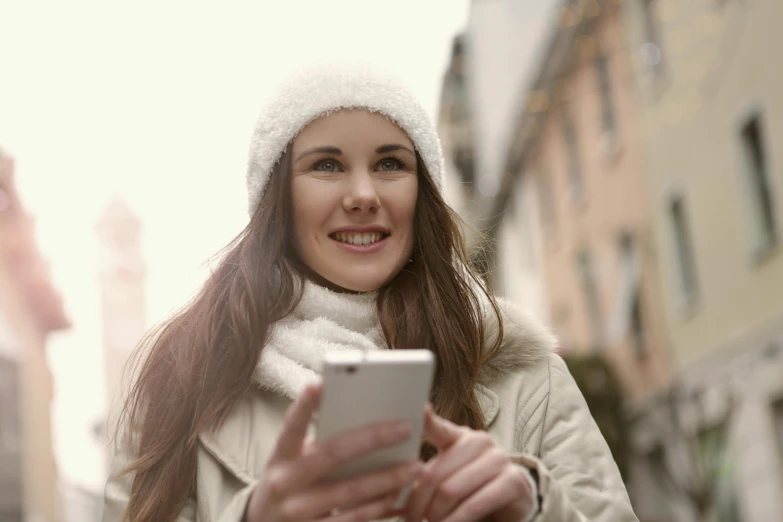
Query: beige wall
{"x": 614, "y": 201}
{"x": 721, "y": 63}
{"x": 721, "y": 60}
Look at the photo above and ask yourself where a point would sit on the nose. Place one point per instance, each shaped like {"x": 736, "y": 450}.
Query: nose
{"x": 361, "y": 194}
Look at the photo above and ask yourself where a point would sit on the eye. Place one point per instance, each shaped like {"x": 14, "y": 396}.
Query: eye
{"x": 326, "y": 165}
{"x": 390, "y": 164}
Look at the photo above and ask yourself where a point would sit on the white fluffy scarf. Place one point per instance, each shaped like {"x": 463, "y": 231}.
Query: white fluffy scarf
{"x": 324, "y": 321}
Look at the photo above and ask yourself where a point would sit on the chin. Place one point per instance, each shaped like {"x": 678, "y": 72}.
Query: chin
{"x": 361, "y": 286}
{"x": 361, "y": 282}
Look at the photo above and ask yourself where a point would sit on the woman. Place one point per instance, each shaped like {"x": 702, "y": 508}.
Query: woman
{"x": 350, "y": 245}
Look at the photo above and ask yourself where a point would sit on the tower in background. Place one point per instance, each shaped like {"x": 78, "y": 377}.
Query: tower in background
{"x": 122, "y": 294}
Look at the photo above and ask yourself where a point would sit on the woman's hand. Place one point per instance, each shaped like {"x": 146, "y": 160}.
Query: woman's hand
{"x": 292, "y": 488}
{"x": 470, "y": 478}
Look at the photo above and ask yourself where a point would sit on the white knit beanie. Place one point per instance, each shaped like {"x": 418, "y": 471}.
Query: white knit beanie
{"x": 318, "y": 90}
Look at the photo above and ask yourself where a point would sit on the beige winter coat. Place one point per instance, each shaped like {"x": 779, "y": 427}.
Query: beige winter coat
{"x": 532, "y": 408}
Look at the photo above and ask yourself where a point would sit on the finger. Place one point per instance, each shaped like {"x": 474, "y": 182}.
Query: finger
{"x": 468, "y": 449}
{"x": 464, "y": 483}
{"x": 324, "y": 458}
{"x": 297, "y": 419}
{"x": 350, "y": 493}
{"x": 375, "y": 510}
{"x": 439, "y": 431}
{"x": 493, "y": 496}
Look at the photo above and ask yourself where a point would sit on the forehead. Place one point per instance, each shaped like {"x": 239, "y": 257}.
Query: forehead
{"x": 351, "y": 127}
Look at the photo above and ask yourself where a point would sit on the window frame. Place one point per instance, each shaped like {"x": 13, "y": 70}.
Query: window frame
{"x": 683, "y": 251}
{"x": 761, "y": 243}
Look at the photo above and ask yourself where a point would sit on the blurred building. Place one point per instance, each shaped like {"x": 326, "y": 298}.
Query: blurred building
{"x": 641, "y": 181}
{"x": 573, "y": 188}
{"x": 490, "y": 65}
{"x": 122, "y": 284}
{"x": 30, "y": 309}
{"x": 641, "y": 184}
{"x": 569, "y": 219}
{"x": 574, "y": 172}
{"x": 122, "y": 277}
{"x": 710, "y": 96}
{"x": 455, "y": 126}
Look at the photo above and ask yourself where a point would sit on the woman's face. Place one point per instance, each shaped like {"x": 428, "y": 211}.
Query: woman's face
{"x": 353, "y": 190}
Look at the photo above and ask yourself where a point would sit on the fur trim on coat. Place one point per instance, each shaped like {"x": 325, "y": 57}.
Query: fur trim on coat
{"x": 526, "y": 341}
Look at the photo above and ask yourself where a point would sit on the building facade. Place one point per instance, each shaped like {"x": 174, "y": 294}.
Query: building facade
{"x": 574, "y": 172}
{"x": 122, "y": 295}
{"x": 30, "y": 310}
{"x": 490, "y": 65}
{"x": 122, "y": 287}
{"x": 710, "y": 99}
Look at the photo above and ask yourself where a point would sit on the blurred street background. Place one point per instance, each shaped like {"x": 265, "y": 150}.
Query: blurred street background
{"x": 623, "y": 160}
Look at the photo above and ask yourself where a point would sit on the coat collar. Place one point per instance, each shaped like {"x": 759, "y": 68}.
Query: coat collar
{"x": 525, "y": 341}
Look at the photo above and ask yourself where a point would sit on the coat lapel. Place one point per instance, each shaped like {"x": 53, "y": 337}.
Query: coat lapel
{"x": 247, "y": 438}
{"x": 212, "y": 444}
{"x": 489, "y": 403}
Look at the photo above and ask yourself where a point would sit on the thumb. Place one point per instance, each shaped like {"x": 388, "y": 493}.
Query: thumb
{"x": 438, "y": 431}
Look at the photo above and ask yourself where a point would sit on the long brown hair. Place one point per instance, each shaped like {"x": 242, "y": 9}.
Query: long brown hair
{"x": 191, "y": 370}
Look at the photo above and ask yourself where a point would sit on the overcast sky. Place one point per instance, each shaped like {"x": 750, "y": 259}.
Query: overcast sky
{"x": 155, "y": 102}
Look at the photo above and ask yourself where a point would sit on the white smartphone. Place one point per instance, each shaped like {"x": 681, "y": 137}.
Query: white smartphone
{"x": 361, "y": 388}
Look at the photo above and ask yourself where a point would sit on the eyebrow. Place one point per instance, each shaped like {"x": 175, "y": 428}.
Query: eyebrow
{"x": 337, "y": 152}
{"x": 320, "y": 150}
{"x": 391, "y": 148}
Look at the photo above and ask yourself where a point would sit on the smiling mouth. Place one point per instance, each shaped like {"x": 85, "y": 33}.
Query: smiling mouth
{"x": 356, "y": 238}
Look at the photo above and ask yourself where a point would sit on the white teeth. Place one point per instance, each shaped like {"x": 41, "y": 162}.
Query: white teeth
{"x": 358, "y": 239}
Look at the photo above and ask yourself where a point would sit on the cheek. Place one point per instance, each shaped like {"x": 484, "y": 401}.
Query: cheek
{"x": 308, "y": 211}
{"x": 406, "y": 212}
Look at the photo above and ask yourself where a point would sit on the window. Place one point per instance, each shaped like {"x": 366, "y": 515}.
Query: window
{"x": 626, "y": 323}
{"x": 757, "y": 182}
{"x": 605, "y": 88}
{"x": 638, "y": 340}
{"x": 686, "y": 265}
{"x": 652, "y": 53}
{"x": 629, "y": 255}
{"x": 777, "y": 409}
{"x": 591, "y": 295}
{"x": 575, "y": 182}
